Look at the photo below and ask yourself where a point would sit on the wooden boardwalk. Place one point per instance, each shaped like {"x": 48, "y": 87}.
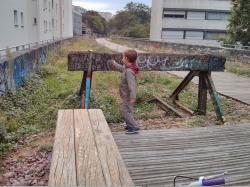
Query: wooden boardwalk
{"x": 155, "y": 157}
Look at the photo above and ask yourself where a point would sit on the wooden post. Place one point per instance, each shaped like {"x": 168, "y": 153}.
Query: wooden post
{"x": 183, "y": 84}
{"x": 202, "y": 94}
{"x": 215, "y": 97}
{"x": 83, "y": 84}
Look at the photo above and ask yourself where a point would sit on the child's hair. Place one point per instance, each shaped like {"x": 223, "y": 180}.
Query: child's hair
{"x": 131, "y": 55}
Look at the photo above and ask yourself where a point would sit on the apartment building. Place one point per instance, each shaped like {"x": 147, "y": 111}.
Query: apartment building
{"x": 77, "y": 20}
{"x": 189, "y": 21}
{"x": 30, "y": 21}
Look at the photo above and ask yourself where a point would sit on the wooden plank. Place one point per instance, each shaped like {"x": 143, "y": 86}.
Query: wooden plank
{"x": 154, "y": 157}
{"x": 114, "y": 169}
{"x": 88, "y": 165}
{"x": 78, "y": 61}
{"x": 63, "y": 169}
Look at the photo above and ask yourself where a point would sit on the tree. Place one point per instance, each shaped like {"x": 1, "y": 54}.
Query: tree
{"x": 132, "y": 21}
{"x": 137, "y": 31}
{"x": 141, "y": 11}
{"x": 97, "y": 23}
{"x": 239, "y": 27}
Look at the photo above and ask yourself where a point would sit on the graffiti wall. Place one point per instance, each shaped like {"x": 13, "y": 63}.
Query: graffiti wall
{"x": 79, "y": 61}
{"x": 13, "y": 71}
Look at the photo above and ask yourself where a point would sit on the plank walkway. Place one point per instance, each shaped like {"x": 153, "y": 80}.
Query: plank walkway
{"x": 226, "y": 83}
{"x": 155, "y": 157}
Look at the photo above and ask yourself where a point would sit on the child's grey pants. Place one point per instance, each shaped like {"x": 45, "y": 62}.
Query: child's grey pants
{"x": 127, "y": 113}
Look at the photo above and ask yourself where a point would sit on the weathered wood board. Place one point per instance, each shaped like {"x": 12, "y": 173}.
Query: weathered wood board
{"x": 155, "y": 157}
{"x": 85, "y": 153}
{"x": 79, "y": 61}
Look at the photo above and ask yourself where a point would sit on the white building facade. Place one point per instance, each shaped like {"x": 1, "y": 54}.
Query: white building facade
{"x": 189, "y": 21}
{"x": 30, "y": 21}
{"x": 77, "y": 20}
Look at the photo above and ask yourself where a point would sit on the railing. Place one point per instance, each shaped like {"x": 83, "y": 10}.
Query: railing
{"x": 236, "y": 47}
{"x": 220, "y": 45}
{"x": 23, "y": 47}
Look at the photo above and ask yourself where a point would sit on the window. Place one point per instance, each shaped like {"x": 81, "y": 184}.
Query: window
{"x": 44, "y": 26}
{"x": 217, "y": 16}
{"x": 196, "y": 15}
{"x": 44, "y": 4}
{"x": 22, "y": 21}
{"x": 172, "y": 34}
{"x": 49, "y": 6}
{"x": 53, "y": 23}
{"x": 35, "y": 21}
{"x": 214, "y": 35}
{"x": 49, "y": 26}
{"x": 52, "y": 4}
{"x": 196, "y": 35}
{"x": 56, "y": 8}
{"x": 173, "y": 14}
{"x": 15, "y": 18}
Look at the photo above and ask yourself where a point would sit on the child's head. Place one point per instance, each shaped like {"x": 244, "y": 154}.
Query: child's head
{"x": 129, "y": 56}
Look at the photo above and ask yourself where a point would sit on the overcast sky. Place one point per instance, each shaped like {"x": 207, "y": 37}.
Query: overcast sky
{"x": 107, "y": 5}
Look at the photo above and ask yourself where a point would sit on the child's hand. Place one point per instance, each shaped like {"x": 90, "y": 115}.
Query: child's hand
{"x": 132, "y": 101}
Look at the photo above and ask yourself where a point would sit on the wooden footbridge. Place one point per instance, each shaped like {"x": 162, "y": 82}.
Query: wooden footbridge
{"x": 86, "y": 153}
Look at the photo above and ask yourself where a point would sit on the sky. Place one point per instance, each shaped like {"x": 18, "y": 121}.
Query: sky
{"x": 107, "y": 5}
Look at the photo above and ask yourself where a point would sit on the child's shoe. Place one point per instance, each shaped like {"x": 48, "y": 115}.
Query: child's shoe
{"x": 132, "y": 130}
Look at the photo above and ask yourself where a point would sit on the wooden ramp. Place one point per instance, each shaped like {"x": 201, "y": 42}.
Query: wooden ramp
{"x": 155, "y": 157}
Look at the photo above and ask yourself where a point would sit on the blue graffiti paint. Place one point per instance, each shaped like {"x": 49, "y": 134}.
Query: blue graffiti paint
{"x": 12, "y": 73}
{"x": 3, "y": 78}
{"x": 43, "y": 56}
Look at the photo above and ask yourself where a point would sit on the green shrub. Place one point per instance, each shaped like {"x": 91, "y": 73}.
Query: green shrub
{"x": 3, "y": 133}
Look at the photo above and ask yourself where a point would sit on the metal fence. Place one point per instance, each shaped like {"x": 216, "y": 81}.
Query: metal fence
{"x": 25, "y": 47}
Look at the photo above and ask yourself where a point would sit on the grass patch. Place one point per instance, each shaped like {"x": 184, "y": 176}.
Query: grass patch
{"x": 33, "y": 108}
{"x": 238, "y": 70}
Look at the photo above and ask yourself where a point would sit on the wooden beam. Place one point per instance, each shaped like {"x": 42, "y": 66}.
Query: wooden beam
{"x": 183, "y": 84}
{"x": 79, "y": 61}
{"x": 114, "y": 169}
{"x": 63, "y": 168}
{"x": 202, "y": 94}
{"x": 215, "y": 97}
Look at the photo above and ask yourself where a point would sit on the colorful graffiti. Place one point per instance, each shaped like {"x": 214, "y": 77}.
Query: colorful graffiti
{"x": 12, "y": 72}
{"x": 3, "y": 78}
{"x": 78, "y": 61}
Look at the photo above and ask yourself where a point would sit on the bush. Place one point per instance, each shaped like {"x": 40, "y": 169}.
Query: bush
{"x": 3, "y": 133}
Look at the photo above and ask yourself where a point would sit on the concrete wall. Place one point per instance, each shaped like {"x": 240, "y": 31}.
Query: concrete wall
{"x": 13, "y": 71}
{"x": 174, "y": 48}
{"x": 199, "y": 24}
{"x": 197, "y": 4}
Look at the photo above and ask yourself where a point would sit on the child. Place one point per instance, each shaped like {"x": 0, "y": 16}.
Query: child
{"x": 128, "y": 88}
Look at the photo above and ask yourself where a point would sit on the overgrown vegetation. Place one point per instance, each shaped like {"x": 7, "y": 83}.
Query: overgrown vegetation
{"x": 97, "y": 23}
{"x": 132, "y": 21}
{"x": 239, "y": 27}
